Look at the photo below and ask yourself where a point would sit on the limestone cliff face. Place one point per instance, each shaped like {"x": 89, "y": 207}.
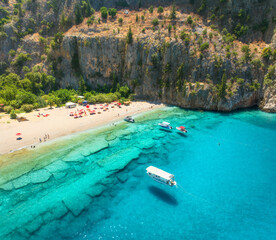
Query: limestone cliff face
{"x": 110, "y": 60}
{"x": 156, "y": 66}
{"x": 269, "y": 101}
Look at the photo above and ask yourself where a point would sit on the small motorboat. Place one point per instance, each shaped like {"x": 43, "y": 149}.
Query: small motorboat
{"x": 182, "y": 129}
{"x": 129, "y": 119}
{"x": 165, "y": 125}
{"x": 161, "y": 176}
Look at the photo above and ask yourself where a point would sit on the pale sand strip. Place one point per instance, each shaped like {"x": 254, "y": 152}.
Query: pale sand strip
{"x": 59, "y": 123}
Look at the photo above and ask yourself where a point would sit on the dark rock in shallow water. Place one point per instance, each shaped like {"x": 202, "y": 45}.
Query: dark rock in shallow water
{"x": 122, "y": 177}
{"x": 138, "y": 173}
{"x": 57, "y": 212}
{"x": 142, "y": 160}
{"x": 35, "y": 224}
{"x": 95, "y": 190}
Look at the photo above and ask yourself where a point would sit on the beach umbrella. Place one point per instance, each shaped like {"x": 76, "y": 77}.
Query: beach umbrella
{"x": 87, "y": 106}
{"x": 18, "y": 134}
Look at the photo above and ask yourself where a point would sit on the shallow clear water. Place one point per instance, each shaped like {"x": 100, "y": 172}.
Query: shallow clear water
{"x": 93, "y": 185}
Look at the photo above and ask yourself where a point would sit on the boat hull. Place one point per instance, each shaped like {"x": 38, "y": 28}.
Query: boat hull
{"x": 131, "y": 121}
{"x": 165, "y": 127}
{"x": 162, "y": 182}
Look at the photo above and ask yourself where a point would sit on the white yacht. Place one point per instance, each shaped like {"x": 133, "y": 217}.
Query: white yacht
{"x": 161, "y": 176}
{"x": 165, "y": 125}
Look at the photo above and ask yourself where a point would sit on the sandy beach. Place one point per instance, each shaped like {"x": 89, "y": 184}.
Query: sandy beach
{"x": 59, "y": 123}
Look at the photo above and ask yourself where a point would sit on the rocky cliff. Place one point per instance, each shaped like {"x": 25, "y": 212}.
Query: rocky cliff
{"x": 193, "y": 65}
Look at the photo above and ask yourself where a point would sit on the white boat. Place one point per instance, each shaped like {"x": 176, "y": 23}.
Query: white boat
{"x": 161, "y": 176}
{"x": 182, "y": 129}
{"x": 165, "y": 125}
{"x": 129, "y": 119}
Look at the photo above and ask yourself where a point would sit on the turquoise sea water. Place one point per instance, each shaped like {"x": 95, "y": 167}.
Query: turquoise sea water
{"x": 93, "y": 185}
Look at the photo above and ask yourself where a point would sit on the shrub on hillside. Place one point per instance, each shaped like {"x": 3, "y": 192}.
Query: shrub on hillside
{"x": 12, "y": 115}
{"x": 27, "y": 107}
{"x": 129, "y": 36}
{"x": 155, "y": 22}
{"x": 8, "y": 109}
{"x": 173, "y": 12}
{"x": 204, "y": 46}
{"x": 160, "y": 10}
{"x": 120, "y": 20}
{"x": 267, "y": 53}
{"x": 189, "y": 20}
{"x": 112, "y": 12}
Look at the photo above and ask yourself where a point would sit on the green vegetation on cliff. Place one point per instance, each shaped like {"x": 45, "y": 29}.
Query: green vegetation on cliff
{"x": 162, "y": 49}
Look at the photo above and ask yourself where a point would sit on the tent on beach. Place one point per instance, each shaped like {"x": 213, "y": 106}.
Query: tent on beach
{"x": 70, "y": 105}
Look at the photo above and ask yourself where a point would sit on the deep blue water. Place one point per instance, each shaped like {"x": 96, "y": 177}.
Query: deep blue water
{"x": 225, "y": 168}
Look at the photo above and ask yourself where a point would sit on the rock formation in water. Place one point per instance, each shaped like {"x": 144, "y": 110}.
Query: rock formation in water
{"x": 214, "y": 55}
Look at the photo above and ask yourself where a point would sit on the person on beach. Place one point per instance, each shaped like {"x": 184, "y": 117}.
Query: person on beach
{"x": 40, "y": 140}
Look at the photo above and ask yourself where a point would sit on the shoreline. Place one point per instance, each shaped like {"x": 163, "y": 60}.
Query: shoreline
{"x": 59, "y": 124}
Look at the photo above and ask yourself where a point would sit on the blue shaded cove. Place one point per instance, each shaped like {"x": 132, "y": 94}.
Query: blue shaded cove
{"x": 93, "y": 185}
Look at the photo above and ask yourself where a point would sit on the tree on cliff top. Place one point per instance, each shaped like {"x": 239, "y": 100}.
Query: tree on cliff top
{"x": 173, "y": 12}
{"x": 112, "y": 12}
{"x": 160, "y": 10}
{"x": 129, "y": 36}
{"x": 103, "y": 12}
{"x": 78, "y": 15}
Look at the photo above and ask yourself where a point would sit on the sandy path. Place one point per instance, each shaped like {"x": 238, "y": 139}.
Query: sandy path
{"x": 59, "y": 123}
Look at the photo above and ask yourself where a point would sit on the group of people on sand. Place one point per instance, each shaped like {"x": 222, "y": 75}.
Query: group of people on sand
{"x": 46, "y": 136}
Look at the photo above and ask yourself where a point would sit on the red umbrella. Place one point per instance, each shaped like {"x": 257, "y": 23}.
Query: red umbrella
{"x": 87, "y": 106}
{"x": 18, "y": 134}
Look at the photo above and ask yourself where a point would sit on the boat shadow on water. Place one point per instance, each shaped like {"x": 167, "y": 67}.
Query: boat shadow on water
{"x": 165, "y": 130}
{"x": 162, "y": 195}
{"x": 182, "y": 134}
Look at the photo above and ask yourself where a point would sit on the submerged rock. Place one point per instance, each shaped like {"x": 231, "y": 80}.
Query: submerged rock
{"x": 95, "y": 146}
{"x": 7, "y": 186}
{"x": 21, "y": 181}
{"x": 95, "y": 190}
{"x": 40, "y": 176}
{"x": 57, "y": 166}
{"x": 77, "y": 203}
{"x": 35, "y": 224}
{"x": 120, "y": 159}
{"x": 110, "y": 137}
{"x": 146, "y": 143}
{"x": 74, "y": 156}
{"x": 122, "y": 177}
